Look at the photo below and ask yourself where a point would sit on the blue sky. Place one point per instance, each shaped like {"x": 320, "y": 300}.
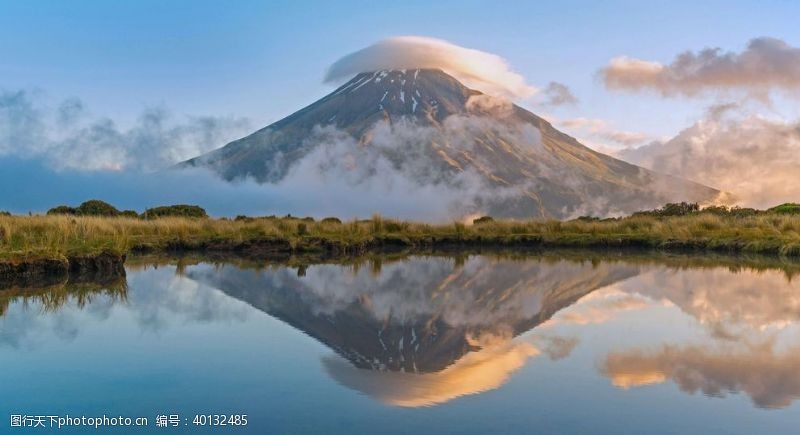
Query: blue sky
{"x": 263, "y": 60}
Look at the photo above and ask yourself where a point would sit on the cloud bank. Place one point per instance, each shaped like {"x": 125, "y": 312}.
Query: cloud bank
{"x": 477, "y": 69}
{"x": 769, "y": 377}
{"x": 753, "y": 157}
{"x": 766, "y": 65}
{"x": 68, "y": 137}
{"x": 63, "y": 155}
{"x": 729, "y": 304}
{"x": 31, "y": 185}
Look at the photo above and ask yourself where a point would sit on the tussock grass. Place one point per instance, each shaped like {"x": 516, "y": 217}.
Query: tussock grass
{"x": 25, "y": 237}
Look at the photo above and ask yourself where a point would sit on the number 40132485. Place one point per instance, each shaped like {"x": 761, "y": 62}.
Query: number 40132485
{"x": 220, "y": 420}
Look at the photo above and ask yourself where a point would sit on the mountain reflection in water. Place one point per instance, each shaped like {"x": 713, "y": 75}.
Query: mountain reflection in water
{"x": 439, "y": 331}
{"x": 421, "y": 331}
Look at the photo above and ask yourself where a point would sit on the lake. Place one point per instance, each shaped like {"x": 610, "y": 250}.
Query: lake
{"x": 560, "y": 342}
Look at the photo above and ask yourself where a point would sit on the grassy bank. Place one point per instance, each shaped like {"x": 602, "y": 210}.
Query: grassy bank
{"x": 25, "y": 238}
{"x": 51, "y": 293}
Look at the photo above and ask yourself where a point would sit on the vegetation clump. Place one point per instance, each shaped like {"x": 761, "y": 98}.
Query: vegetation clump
{"x": 672, "y": 209}
{"x": 681, "y": 227}
{"x": 61, "y": 209}
{"x": 95, "y": 207}
{"x": 721, "y": 210}
{"x": 178, "y": 210}
{"x": 92, "y": 207}
{"x": 690, "y": 209}
{"x": 482, "y": 220}
{"x": 788, "y": 208}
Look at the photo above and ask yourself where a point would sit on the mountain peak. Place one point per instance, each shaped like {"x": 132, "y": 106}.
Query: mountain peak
{"x": 425, "y": 94}
{"x": 439, "y": 129}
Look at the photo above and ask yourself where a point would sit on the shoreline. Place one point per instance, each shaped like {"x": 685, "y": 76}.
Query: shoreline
{"x": 35, "y": 246}
{"x": 108, "y": 263}
{"x": 334, "y": 246}
{"x": 101, "y": 265}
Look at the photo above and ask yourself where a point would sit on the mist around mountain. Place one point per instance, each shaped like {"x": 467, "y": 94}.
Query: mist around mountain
{"x": 421, "y": 128}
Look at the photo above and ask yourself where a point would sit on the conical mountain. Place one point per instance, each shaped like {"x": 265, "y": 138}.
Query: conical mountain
{"x": 437, "y": 131}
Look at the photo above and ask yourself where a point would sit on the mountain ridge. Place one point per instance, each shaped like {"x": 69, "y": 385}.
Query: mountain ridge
{"x": 432, "y": 128}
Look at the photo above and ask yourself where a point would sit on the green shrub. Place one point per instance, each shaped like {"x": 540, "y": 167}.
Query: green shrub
{"x": 679, "y": 209}
{"x": 178, "y": 210}
{"x": 95, "y": 207}
{"x": 671, "y": 209}
{"x": 302, "y": 229}
{"x": 482, "y": 220}
{"x": 331, "y": 220}
{"x": 61, "y": 209}
{"x": 5, "y": 213}
{"x": 742, "y": 212}
{"x": 719, "y": 210}
{"x": 788, "y": 208}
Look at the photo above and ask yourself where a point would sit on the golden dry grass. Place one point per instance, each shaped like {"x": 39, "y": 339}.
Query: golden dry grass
{"x": 48, "y": 236}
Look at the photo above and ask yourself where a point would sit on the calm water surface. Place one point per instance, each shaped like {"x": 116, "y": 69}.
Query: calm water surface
{"x": 478, "y": 344}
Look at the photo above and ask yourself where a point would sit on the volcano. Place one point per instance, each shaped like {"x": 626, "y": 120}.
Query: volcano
{"x": 425, "y": 124}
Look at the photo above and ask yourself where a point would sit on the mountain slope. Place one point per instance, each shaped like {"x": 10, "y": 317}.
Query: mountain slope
{"x": 434, "y": 309}
{"x": 434, "y": 130}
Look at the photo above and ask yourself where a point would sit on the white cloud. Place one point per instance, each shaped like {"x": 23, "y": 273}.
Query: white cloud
{"x": 753, "y": 157}
{"x": 477, "y": 69}
{"x": 766, "y": 65}
{"x": 769, "y": 377}
{"x": 67, "y": 137}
